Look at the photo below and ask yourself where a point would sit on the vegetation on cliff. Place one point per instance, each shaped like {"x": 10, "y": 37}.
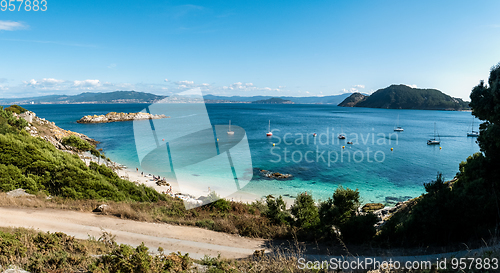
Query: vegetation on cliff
{"x": 35, "y": 165}
{"x": 405, "y": 97}
{"x": 16, "y": 109}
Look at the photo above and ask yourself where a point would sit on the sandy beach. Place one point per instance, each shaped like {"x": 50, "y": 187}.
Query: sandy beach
{"x": 147, "y": 180}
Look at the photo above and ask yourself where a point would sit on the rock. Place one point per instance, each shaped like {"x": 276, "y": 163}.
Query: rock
{"x": 276, "y": 175}
{"x": 391, "y": 200}
{"x": 114, "y": 117}
{"x": 101, "y": 208}
{"x": 162, "y": 183}
{"x": 372, "y": 207}
{"x": 18, "y": 193}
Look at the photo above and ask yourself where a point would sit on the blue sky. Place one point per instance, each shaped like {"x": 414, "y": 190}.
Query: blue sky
{"x": 277, "y": 48}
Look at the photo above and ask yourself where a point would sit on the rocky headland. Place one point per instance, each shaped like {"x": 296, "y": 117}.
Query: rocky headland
{"x": 115, "y": 117}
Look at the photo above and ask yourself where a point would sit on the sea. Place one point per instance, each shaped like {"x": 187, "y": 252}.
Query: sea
{"x": 384, "y": 165}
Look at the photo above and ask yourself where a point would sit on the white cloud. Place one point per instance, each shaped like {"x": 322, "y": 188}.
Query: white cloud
{"x": 166, "y": 80}
{"x": 51, "y": 81}
{"x": 112, "y": 66}
{"x": 411, "y": 85}
{"x": 184, "y": 82}
{"x": 11, "y": 25}
{"x": 360, "y": 86}
{"x": 87, "y": 83}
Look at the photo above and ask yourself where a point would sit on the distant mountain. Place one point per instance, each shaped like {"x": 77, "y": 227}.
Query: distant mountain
{"x": 273, "y": 101}
{"x": 404, "y": 97}
{"x": 88, "y": 97}
{"x": 335, "y": 99}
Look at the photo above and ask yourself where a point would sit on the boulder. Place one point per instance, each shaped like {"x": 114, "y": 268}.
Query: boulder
{"x": 372, "y": 207}
{"x": 18, "y": 193}
{"x": 101, "y": 208}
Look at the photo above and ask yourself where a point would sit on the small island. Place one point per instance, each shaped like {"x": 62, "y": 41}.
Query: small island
{"x": 115, "y": 117}
{"x": 273, "y": 101}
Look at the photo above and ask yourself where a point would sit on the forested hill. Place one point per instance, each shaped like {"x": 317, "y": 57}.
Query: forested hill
{"x": 405, "y": 97}
{"x": 273, "y": 101}
{"x": 89, "y": 97}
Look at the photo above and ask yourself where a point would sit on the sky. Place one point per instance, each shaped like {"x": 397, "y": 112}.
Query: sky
{"x": 246, "y": 48}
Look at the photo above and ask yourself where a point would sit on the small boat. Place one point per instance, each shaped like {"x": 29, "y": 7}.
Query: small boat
{"x": 349, "y": 142}
{"x": 398, "y": 128}
{"x": 229, "y": 132}
{"x": 314, "y": 135}
{"x": 473, "y": 133}
{"x": 341, "y": 135}
{"x": 269, "y": 133}
{"x": 433, "y": 141}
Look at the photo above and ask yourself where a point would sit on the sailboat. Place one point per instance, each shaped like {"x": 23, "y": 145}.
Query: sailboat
{"x": 269, "y": 133}
{"x": 341, "y": 135}
{"x": 473, "y": 133}
{"x": 229, "y": 132}
{"x": 433, "y": 141}
{"x": 398, "y": 128}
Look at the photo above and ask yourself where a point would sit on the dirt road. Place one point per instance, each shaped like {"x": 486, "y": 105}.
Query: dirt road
{"x": 195, "y": 241}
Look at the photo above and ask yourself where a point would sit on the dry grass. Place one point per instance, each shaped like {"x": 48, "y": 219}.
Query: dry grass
{"x": 241, "y": 219}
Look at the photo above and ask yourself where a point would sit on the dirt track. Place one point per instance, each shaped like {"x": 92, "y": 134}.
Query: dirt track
{"x": 195, "y": 241}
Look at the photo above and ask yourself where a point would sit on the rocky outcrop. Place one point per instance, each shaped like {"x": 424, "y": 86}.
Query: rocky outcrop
{"x": 372, "y": 207}
{"x": 114, "y": 117}
{"x": 276, "y": 175}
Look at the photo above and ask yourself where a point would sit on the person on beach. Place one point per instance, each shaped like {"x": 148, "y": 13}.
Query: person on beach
{"x": 137, "y": 169}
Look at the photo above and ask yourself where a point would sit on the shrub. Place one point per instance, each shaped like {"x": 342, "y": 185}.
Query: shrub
{"x": 276, "y": 210}
{"x": 16, "y": 109}
{"x": 77, "y": 143}
{"x": 305, "y": 212}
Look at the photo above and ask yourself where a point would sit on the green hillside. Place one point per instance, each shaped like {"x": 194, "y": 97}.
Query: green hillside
{"x": 36, "y": 165}
{"x": 404, "y": 97}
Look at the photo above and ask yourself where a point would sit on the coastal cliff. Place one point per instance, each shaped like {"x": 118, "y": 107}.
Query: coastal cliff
{"x": 115, "y": 117}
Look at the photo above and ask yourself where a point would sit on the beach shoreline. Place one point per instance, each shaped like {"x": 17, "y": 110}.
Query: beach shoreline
{"x": 135, "y": 176}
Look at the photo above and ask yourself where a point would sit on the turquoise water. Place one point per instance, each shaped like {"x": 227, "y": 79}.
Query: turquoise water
{"x": 369, "y": 165}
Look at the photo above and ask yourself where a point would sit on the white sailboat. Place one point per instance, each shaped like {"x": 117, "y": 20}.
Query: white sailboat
{"x": 269, "y": 133}
{"x": 398, "y": 128}
{"x": 229, "y": 132}
{"x": 433, "y": 141}
{"x": 473, "y": 133}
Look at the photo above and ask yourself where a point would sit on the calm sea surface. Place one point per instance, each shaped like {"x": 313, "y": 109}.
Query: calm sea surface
{"x": 368, "y": 165}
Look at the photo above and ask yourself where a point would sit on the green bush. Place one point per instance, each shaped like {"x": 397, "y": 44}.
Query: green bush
{"x": 127, "y": 259}
{"x": 276, "y": 210}
{"x": 77, "y": 143}
{"x": 305, "y": 212}
{"x": 207, "y": 223}
{"x": 16, "y": 109}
